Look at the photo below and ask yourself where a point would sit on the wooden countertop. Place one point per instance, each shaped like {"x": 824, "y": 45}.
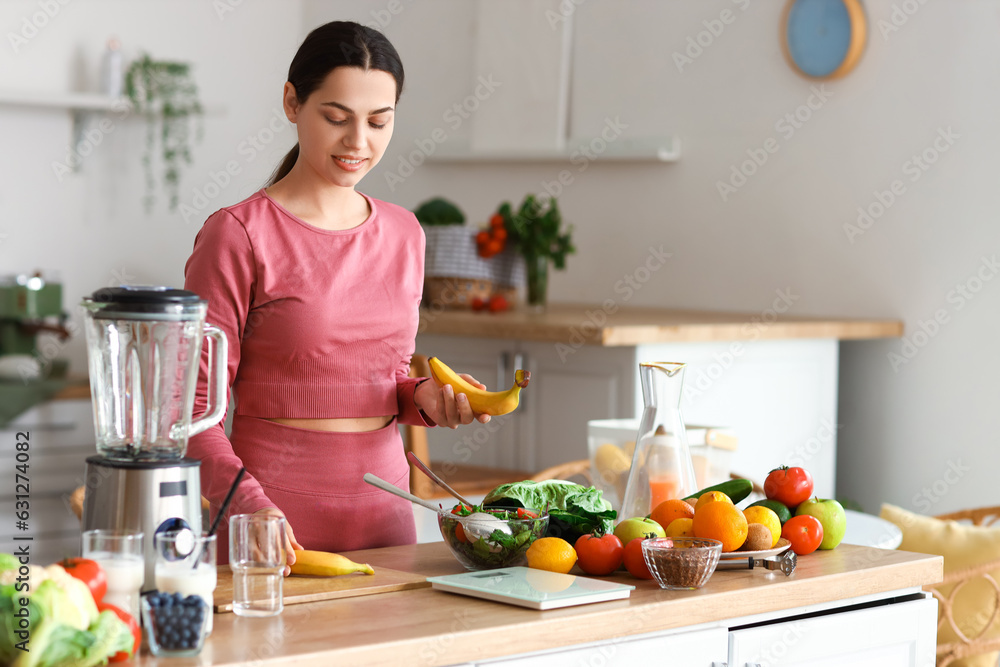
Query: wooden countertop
{"x": 427, "y": 627}
{"x": 636, "y": 326}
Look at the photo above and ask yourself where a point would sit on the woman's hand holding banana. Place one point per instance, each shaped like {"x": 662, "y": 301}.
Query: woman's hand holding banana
{"x": 460, "y": 398}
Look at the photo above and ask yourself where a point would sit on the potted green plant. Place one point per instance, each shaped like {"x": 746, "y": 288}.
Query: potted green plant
{"x": 165, "y": 92}
{"x": 536, "y": 231}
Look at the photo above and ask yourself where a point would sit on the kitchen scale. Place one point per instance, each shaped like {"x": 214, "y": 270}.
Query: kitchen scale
{"x": 531, "y": 588}
{"x": 144, "y": 349}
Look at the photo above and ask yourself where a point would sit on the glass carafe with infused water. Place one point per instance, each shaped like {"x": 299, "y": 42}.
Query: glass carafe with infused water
{"x": 661, "y": 463}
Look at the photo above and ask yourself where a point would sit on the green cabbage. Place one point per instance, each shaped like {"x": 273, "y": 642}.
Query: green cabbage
{"x": 574, "y": 510}
{"x": 64, "y": 628}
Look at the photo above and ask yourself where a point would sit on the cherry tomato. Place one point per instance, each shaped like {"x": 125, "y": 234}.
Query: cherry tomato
{"x": 129, "y": 620}
{"x": 482, "y": 237}
{"x": 599, "y": 555}
{"x": 460, "y": 532}
{"x": 634, "y": 562}
{"x": 526, "y": 514}
{"x": 789, "y": 486}
{"x": 462, "y": 509}
{"x": 497, "y": 303}
{"x": 478, "y": 303}
{"x": 496, "y": 221}
{"x": 805, "y": 532}
{"x": 500, "y": 234}
{"x": 90, "y": 573}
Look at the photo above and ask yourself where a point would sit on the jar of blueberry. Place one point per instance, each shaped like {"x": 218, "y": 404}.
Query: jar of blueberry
{"x": 175, "y": 625}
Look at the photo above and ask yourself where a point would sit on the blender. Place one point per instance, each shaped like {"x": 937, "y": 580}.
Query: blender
{"x": 144, "y": 349}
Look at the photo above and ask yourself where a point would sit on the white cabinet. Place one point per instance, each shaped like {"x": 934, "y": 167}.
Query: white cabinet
{"x": 902, "y": 635}
{"x": 899, "y": 632}
{"x": 60, "y": 434}
{"x": 699, "y": 648}
{"x": 779, "y": 396}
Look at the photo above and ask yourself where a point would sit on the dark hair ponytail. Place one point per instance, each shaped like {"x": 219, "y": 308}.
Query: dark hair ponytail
{"x": 337, "y": 44}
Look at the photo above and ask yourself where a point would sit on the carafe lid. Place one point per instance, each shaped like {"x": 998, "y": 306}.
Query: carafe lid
{"x": 145, "y": 302}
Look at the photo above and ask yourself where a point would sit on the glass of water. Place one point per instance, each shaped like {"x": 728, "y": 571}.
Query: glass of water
{"x": 257, "y": 559}
{"x": 119, "y": 553}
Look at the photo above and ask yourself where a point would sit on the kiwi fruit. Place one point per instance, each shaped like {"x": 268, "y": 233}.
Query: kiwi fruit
{"x": 758, "y": 538}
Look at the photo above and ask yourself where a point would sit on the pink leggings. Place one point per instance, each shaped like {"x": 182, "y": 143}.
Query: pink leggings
{"x": 316, "y": 479}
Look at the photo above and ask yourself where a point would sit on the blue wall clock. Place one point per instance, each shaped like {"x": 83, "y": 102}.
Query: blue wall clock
{"x": 824, "y": 39}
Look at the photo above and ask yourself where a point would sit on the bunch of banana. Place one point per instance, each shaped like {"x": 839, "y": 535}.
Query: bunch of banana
{"x": 323, "y": 564}
{"x": 489, "y": 402}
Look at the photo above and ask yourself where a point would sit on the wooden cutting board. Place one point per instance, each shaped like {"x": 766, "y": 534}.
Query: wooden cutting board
{"x": 297, "y": 589}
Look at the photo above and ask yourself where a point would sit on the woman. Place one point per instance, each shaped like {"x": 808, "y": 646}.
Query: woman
{"x": 316, "y": 287}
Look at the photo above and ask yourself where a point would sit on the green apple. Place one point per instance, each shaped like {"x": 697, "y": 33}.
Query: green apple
{"x": 831, "y": 514}
{"x": 629, "y": 529}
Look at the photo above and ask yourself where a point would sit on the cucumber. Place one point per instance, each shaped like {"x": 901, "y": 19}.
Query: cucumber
{"x": 784, "y": 514}
{"x": 736, "y": 489}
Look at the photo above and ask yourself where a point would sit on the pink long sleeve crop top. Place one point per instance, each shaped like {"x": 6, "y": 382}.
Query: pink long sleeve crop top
{"x": 320, "y": 323}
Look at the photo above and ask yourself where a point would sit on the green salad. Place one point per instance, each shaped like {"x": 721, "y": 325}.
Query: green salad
{"x": 485, "y": 539}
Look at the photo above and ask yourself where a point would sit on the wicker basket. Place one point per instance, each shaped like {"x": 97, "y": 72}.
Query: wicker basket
{"x": 455, "y": 292}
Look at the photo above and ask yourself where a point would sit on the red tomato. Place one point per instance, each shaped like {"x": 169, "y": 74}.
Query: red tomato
{"x": 482, "y": 237}
{"x": 460, "y": 532}
{"x": 496, "y": 221}
{"x": 526, "y": 514}
{"x": 90, "y": 573}
{"x": 789, "y": 486}
{"x": 599, "y": 555}
{"x": 634, "y": 562}
{"x": 478, "y": 303}
{"x": 122, "y": 656}
{"x": 497, "y": 303}
{"x": 461, "y": 508}
{"x": 805, "y": 532}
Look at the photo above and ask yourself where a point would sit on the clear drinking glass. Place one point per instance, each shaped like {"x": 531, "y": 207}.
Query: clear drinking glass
{"x": 185, "y": 564}
{"x": 257, "y": 559}
{"x": 119, "y": 553}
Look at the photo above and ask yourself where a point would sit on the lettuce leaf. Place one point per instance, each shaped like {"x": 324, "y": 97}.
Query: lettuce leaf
{"x": 574, "y": 510}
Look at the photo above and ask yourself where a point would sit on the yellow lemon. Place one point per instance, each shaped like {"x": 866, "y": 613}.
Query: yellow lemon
{"x": 553, "y": 554}
{"x": 766, "y": 516}
{"x": 711, "y": 497}
{"x": 680, "y": 528}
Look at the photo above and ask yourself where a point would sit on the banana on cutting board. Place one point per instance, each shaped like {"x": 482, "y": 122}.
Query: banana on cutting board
{"x": 323, "y": 564}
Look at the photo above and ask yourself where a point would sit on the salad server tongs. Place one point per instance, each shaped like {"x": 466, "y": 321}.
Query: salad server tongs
{"x": 380, "y": 483}
{"x": 784, "y": 563}
{"x": 437, "y": 480}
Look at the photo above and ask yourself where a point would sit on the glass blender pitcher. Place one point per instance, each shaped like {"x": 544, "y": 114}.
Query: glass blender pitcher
{"x": 144, "y": 349}
{"x": 661, "y": 463}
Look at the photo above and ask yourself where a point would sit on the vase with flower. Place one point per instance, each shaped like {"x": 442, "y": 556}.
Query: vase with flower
{"x": 536, "y": 231}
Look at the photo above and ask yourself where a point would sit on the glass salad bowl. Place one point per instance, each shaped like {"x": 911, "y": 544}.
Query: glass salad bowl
{"x": 490, "y": 539}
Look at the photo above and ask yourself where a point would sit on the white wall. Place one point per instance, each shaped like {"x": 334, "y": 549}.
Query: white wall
{"x": 90, "y": 226}
{"x": 901, "y": 431}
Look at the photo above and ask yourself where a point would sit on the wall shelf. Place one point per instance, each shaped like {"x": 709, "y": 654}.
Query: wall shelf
{"x": 661, "y": 149}
{"x": 69, "y": 101}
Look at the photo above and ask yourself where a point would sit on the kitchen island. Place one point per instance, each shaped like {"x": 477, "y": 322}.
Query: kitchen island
{"x": 770, "y": 376}
{"x": 855, "y": 601}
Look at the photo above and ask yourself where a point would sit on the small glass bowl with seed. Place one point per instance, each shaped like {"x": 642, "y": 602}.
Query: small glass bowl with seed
{"x": 681, "y": 563}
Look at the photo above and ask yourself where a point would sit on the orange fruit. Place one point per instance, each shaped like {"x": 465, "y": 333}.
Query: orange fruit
{"x": 680, "y": 528}
{"x": 671, "y": 509}
{"x": 766, "y": 516}
{"x": 551, "y": 553}
{"x": 723, "y": 522}
{"x": 711, "y": 497}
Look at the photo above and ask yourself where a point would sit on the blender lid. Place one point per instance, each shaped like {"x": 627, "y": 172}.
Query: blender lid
{"x": 145, "y": 300}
